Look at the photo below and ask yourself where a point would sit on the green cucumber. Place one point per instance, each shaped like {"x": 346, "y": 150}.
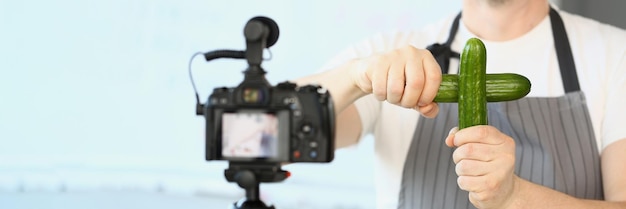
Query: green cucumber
{"x": 448, "y": 89}
{"x": 500, "y": 87}
{"x": 506, "y": 87}
{"x": 473, "y": 87}
{"x": 473, "y": 84}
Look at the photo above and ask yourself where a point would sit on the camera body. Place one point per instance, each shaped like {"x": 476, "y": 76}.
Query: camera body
{"x": 256, "y": 122}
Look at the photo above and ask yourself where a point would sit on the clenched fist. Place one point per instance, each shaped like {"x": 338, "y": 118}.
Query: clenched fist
{"x": 408, "y": 77}
{"x": 485, "y": 164}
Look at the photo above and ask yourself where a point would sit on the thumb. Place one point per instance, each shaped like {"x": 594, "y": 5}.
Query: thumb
{"x": 360, "y": 73}
{"x": 450, "y": 138}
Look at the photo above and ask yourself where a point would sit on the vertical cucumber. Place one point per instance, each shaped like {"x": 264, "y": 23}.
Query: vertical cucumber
{"x": 472, "y": 84}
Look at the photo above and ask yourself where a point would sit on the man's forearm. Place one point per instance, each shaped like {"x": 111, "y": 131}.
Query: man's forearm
{"x": 531, "y": 195}
{"x": 339, "y": 84}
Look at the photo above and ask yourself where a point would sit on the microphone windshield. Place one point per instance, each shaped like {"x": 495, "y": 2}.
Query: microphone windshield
{"x": 272, "y": 38}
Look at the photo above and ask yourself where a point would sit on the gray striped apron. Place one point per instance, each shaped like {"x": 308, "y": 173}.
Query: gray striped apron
{"x": 555, "y": 142}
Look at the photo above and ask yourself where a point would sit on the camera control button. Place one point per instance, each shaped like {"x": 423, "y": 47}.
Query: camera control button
{"x": 290, "y": 100}
{"x": 305, "y": 131}
{"x": 322, "y": 90}
{"x": 313, "y": 154}
{"x": 313, "y": 144}
{"x": 296, "y": 154}
{"x": 306, "y": 128}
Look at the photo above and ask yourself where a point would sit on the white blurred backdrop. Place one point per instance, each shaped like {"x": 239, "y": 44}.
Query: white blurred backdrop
{"x": 97, "y": 109}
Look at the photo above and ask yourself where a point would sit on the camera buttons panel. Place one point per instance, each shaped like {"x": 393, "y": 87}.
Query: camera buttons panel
{"x": 219, "y": 101}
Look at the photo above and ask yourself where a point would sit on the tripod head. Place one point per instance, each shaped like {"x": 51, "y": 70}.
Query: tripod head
{"x": 249, "y": 176}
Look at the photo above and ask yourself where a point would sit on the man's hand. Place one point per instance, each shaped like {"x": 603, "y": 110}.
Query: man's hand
{"x": 407, "y": 77}
{"x": 485, "y": 164}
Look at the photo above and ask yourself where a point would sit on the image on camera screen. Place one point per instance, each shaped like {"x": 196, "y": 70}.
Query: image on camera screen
{"x": 249, "y": 135}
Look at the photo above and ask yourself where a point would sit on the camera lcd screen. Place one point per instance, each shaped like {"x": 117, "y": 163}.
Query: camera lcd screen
{"x": 250, "y": 135}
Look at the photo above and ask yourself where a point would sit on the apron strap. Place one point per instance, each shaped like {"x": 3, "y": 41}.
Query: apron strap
{"x": 564, "y": 53}
{"x": 443, "y": 52}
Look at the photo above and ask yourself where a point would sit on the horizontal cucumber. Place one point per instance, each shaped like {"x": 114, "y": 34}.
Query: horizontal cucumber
{"x": 500, "y": 87}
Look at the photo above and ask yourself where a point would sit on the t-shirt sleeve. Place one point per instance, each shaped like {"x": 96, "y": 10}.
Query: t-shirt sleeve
{"x": 615, "y": 114}
{"x": 375, "y": 44}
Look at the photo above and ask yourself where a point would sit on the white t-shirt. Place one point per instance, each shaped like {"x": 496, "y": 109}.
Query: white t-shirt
{"x": 599, "y": 54}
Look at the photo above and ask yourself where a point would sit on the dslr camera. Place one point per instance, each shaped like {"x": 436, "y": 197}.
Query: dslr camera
{"x": 258, "y": 127}
{"x": 255, "y": 122}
